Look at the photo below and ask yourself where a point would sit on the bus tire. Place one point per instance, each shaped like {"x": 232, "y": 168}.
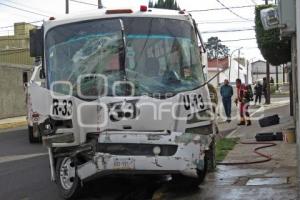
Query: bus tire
{"x": 67, "y": 180}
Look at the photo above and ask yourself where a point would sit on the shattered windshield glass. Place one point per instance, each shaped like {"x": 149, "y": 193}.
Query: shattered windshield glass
{"x": 157, "y": 56}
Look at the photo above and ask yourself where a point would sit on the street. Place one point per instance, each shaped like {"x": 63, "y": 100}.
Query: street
{"x": 25, "y": 174}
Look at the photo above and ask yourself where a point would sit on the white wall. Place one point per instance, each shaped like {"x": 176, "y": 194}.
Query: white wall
{"x": 260, "y": 67}
{"x": 233, "y": 74}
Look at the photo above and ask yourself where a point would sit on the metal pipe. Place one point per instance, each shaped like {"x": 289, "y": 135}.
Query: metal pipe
{"x": 231, "y": 62}
{"x": 67, "y": 6}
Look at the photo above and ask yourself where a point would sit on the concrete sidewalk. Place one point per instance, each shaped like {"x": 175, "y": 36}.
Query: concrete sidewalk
{"x": 276, "y": 179}
{"x": 273, "y": 180}
{"x": 13, "y": 122}
{"x": 231, "y": 128}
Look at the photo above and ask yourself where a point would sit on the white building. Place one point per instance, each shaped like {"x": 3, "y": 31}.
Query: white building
{"x": 259, "y": 72}
{"x": 228, "y": 69}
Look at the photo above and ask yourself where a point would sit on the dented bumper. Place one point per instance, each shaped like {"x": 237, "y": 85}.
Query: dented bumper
{"x": 188, "y": 157}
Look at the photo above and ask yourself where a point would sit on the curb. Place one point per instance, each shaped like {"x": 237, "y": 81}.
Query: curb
{"x": 13, "y": 125}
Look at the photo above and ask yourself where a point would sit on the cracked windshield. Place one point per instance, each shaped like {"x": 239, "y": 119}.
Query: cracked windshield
{"x": 160, "y": 59}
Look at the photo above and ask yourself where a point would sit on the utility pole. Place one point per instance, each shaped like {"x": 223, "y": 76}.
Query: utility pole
{"x": 67, "y": 6}
{"x": 283, "y": 74}
{"x": 268, "y": 99}
{"x": 231, "y": 58}
{"x": 239, "y": 63}
{"x": 277, "y": 86}
{"x": 100, "y": 4}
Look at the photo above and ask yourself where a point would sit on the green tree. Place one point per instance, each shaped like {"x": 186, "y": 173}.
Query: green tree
{"x": 215, "y": 49}
{"x": 273, "y": 49}
{"x": 166, "y": 4}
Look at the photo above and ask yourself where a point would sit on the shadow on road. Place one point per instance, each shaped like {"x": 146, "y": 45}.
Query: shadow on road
{"x": 122, "y": 188}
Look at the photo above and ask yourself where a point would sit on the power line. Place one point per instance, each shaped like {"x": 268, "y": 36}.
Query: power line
{"x": 24, "y": 5}
{"x": 216, "y": 9}
{"x": 223, "y": 22}
{"x": 228, "y": 8}
{"x": 236, "y": 40}
{"x": 91, "y": 4}
{"x": 254, "y": 2}
{"x": 24, "y": 10}
{"x": 228, "y": 30}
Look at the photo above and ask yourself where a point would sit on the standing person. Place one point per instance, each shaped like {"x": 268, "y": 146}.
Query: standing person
{"x": 226, "y": 93}
{"x": 258, "y": 90}
{"x": 272, "y": 80}
{"x": 264, "y": 88}
{"x": 243, "y": 100}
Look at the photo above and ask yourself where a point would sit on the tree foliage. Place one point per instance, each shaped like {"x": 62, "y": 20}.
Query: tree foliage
{"x": 166, "y": 4}
{"x": 273, "y": 49}
{"x": 215, "y": 49}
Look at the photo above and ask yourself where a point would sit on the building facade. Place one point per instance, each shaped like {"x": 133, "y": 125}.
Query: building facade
{"x": 259, "y": 72}
{"x": 15, "y": 65}
{"x": 230, "y": 69}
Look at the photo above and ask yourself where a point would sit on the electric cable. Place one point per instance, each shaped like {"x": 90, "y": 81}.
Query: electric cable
{"x": 228, "y": 8}
{"x": 216, "y": 9}
{"x": 24, "y": 5}
{"x": 91, "y": 4}
{"x": 227, "y": 30}
{"x": 24, "y": 10}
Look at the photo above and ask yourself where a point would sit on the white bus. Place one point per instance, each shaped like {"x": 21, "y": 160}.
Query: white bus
{"x": 124, "y": 93}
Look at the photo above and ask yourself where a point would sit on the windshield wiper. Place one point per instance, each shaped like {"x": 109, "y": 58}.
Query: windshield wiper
{"x": 123, "y": 60}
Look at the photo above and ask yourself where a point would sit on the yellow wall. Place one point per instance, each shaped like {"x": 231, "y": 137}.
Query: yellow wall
{"x": 14, "y": 49}
{"x": 20, "y": 56}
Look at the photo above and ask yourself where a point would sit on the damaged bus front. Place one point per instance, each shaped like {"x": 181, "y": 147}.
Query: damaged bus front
{"x": 125, "y": 93}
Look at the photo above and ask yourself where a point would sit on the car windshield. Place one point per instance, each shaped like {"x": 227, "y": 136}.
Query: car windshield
{"x": 154, "y": 56}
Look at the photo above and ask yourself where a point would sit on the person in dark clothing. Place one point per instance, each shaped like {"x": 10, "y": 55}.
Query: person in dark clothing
{"x": 272, "y": 80}
{"x": 264, "y": 88}
{"x": 258, "y": 89}
{"x": 226, "y": 93}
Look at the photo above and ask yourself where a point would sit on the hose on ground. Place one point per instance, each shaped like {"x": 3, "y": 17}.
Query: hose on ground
{"x": 266, "y": 157}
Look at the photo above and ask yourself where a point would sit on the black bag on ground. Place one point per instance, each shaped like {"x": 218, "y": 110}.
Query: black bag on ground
{"x": 264, "y": 136}
{"x": 269, "y": 136}
{"x": 269, "y": 121}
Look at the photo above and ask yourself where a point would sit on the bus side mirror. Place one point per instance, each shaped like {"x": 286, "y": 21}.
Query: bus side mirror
{"x": 36, "y": 43}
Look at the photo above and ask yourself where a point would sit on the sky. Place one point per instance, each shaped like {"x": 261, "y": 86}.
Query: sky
{"x": 237, "y": 25}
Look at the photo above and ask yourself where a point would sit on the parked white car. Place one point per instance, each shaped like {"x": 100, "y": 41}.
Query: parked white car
{"x": 34, "y": 135}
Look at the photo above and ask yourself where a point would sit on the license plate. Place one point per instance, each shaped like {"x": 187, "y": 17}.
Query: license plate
{"x": 124, "y": 163}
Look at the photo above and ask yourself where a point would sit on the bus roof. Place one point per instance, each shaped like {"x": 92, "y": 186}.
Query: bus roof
{"x": 107, "y": 13}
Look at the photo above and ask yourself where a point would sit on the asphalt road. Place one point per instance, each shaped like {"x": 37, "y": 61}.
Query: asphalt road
{"x": 23, "y": 178}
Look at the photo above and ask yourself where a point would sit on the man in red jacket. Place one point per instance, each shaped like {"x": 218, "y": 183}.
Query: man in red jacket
{"x": 243, "y": 99}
